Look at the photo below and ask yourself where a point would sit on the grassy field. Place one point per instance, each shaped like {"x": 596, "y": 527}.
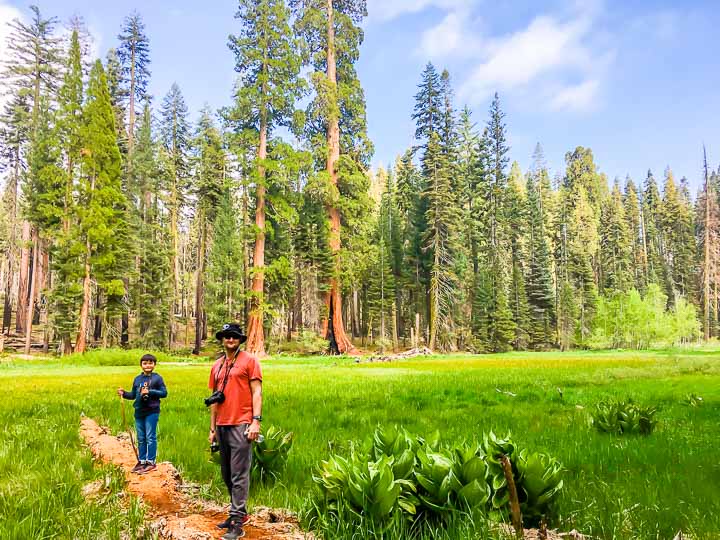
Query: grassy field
{"x": 615, "y": 487}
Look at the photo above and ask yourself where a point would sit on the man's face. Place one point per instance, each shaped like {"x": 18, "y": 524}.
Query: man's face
{"x": 231, "y": 343}
{"x": 147, "y": 366}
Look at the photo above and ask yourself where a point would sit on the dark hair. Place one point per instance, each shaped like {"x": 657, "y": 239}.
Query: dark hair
{"x": 148, "y": 358}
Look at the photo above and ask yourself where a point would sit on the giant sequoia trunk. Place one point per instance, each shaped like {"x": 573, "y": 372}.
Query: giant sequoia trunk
{"x": 333, "y": 328}
{"x": 256, "y": 336}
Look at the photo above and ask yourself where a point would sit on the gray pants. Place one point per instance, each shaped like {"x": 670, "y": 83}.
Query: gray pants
{"x": 235, "y": 461}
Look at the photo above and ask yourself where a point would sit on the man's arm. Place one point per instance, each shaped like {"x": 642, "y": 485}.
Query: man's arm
{"x": 213, "y": 413}
{"x": 256, "y": 390}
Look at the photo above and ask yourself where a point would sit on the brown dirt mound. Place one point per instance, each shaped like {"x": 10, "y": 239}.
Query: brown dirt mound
{"x": 175, "y": 515}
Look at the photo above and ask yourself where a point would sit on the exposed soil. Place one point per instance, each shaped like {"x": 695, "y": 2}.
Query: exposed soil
{"x": 411, "y": 353}
{"x": 174, "y": 514}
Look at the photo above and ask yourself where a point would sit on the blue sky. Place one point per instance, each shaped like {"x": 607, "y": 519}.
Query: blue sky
{"x": 637, "y": 80}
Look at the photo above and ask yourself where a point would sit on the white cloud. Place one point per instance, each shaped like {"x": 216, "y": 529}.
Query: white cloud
{"x": 386, "y": 10}
{"x": 448, "y": 38}
{"x": 577, "y": 97}
{"x": 546, "y": 45}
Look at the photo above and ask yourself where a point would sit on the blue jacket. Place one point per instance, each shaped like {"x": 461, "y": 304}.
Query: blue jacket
{"x": 146, "y": 407}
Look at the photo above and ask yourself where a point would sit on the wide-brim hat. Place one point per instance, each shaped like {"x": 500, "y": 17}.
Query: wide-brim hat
{"x": 231, "y": 329}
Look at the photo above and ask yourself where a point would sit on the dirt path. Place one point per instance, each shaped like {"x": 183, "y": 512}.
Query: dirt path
{"x": 176, "y": 515}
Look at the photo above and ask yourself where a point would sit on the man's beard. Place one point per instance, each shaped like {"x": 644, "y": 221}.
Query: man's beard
{"x": 232, "y": 348}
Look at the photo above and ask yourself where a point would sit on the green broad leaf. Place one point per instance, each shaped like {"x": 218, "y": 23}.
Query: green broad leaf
{"x": 474, "y": 494}
{"x": 499, "y": 482}
{"x": 500, "y": 499}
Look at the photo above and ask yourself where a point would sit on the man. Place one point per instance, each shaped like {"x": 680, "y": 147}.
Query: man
{"x": 235, "y": 422}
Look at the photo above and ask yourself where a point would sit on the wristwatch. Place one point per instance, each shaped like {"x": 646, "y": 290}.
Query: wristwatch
{"x": 258, "y": 418}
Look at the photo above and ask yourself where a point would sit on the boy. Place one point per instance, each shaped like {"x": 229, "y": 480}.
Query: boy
{"x": 147, "y": 390}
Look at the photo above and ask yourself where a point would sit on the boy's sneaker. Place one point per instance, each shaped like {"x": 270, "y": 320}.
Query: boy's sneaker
{"x": 148, "y": 468}
{"x": 225, "y": 524}
{"x": 234, "y": 531}
{"x": 139, "y": 466}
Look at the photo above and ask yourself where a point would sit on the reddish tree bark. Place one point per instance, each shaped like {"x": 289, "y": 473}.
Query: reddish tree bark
{"x": 333, "y": 328}
{"x": 256, "y": 336}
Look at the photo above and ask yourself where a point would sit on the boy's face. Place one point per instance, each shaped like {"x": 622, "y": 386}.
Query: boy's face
{"x": 147, "y": 366}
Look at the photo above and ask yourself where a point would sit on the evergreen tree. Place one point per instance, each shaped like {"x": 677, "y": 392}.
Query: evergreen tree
{"x": 634, "y": 218}
{"x": 516, "y": 219}
{"x": 678, "y": 235}
{"x": 209, "y": 188}
{"x": 615, "y": 245}
{"x": 539, "y": 286}
{"x": 337, "y": 115}
{"x": 153, "y": 286}
{"x": 134, "y": 57}
{"x": 428, "y": 106}
{"x": 583, "y": 240}
{"x": 225, "y": 269}
{"x": 101, "y": 204}
{"x": 175, "y": 139}
{"x": 268, "y": 64}
{"x": 652, "y": 219}
{"x": 440, "y": 240}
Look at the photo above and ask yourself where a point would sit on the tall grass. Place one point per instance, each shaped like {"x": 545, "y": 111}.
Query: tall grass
{"x": 623, "y": 488}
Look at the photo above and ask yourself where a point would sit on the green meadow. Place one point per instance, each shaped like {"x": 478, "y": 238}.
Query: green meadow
{"x": 623, "y": 487}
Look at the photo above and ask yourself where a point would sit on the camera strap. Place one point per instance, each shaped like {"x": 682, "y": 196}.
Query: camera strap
{"x": 227, "y": 372}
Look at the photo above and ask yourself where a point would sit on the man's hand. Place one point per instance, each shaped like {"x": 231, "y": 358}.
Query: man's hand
{"x": 211, "y": 436}
{"x": 120, "y": 392}
{"x": 253, "y": 431}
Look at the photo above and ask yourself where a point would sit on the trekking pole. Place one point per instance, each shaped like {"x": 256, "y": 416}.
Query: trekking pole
{"x": 129, "y": 432}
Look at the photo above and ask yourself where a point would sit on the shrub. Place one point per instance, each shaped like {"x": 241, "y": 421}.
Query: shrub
{"x": 270, "y": 455}
{"x": 622, "y": 417}
{"x": 399, "y": 476}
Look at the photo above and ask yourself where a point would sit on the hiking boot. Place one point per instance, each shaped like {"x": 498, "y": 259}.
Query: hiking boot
{"x": 139, "y": 466}
{"x": 148, "y": 468}
{"x": 225, "y": 524}
{"x": 234, "y": 531}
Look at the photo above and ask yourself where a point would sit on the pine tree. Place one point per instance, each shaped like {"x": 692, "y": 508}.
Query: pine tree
{"x": 678, "y": 235}
{"x": 653, "y": 230}
{"x": 516, "y": 218}
{"x": 634, "y": 218}
{"x": 101, "y": 204}
{"x": 338, "y": 114}
{"x": 440, "y": 240}
{"x": 175, "y": 139}
{"x": 615, "y": 245}
{"x": 153, "y": 286}
{"x": 428, "y": 106}
{"x": 30, "y": 77}
{"x": 209, "y": 186}
{"x": 582, "y": 245}
{"x": 225, "y": 266}
{"x": 539, "y": 282}
{"x": 268, "y": 64}
{"x": 134, "y": 57}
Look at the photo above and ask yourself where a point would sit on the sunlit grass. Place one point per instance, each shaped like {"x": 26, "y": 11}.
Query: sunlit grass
{"x": 634, "y": 487}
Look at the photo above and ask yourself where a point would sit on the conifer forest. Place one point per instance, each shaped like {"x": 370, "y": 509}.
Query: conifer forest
{"x": 129, "y": 220}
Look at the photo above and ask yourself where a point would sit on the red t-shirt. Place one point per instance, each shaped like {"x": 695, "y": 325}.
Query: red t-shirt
{"x": 237, "y": 407}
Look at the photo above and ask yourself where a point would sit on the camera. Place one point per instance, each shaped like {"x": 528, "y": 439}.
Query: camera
{"x": 216, "y": 397}
{"x": 214, "y": 447}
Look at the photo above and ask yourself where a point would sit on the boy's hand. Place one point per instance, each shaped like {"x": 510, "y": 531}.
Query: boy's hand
{"x": 145, "y": 390}
{"x": 120, "y": 392}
